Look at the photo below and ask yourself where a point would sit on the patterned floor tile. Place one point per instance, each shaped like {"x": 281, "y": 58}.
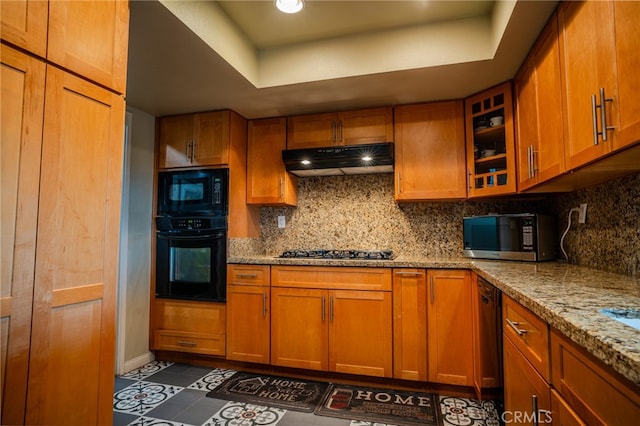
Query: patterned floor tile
{"x": 243, "y": 414}
{"x": 468, "y": 412}
{"x": 213, "y": 379}
{"x": 147, "y": 370}
{"x": 141, "y": 397}
{"x": 149, "y": 421}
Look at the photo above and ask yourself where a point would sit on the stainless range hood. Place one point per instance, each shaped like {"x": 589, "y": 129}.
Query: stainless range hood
{"x": 340, "y": 160}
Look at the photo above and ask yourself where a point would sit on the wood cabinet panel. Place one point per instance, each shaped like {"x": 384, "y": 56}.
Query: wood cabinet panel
{"x": 268, "y": 183}
{"x": 248, "y": 323}
{"x": 538, "y": 112}
{"x": 487, "y": 347}
{"x": 299, "y": 331}
{"x": 526, "y": 393}
{"x": 22, "y": 106}
{"x": 563, "y": 414}
{"x": 598, "y": 396}
{"x": 24, "y": 24}
{"x": 76, "y": 257}
{"x": 529, "y": 333}
{"x": 449, "y": 307}
{"x": 360, "y": 332}
{"x": 588, "y": 64}
{"x": 627, "y": 33}
{"x": 176, "y": 135}
{"x": 430, "y": 152}
{"x": 410, "y": 324}
{"x": 356, "y": 127}
{"x": 253, "y": 275}
{"x": 327, "y": 277}
{"x": 91, "y": 39}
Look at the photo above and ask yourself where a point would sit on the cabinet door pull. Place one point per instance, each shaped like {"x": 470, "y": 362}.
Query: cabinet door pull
{"x": 431, "y": 289}
{"x": 594, "y": 119}
{"x": 530, "y": 158}
{"x": 514, "y": 325}
{"x": 469, "y": 179}
{"x": 247, "y": 275}
{"x": 534, "y": 407}
{"x": 189, "y": 152}
{"x": 334, "y": 132}
{"x": 603, "y": 114}
{"x": 331, "y": 308}
{"x": 411, "y": 274}
{"x": 340, "y": 131}
{"x": 323, "y": 308}
{"x": 185, "y": 343}
{"x": 194, "y": 151}
{"x": 264, "y": 305}
{"x": 281, "y": 188}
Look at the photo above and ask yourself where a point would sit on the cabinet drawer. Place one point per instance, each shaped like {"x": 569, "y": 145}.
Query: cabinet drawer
{"x": 193, "y": 317}
{"x": 248, "y": 275}
{"x": 341, "y": 278}
{"x": 529, "y": 334}
{"x": 198, "y": 343}
{"x": 597, "y": 395}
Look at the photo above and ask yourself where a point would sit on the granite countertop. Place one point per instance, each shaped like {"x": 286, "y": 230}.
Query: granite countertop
{"x": 568, "y": 297}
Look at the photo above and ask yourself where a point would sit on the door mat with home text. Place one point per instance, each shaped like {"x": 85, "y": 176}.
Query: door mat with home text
{"x": 271, "y": 391}
{"x": 379, "y": 405}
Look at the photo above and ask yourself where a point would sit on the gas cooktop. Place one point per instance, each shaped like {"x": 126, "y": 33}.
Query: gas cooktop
{"x": 339, "y": 254}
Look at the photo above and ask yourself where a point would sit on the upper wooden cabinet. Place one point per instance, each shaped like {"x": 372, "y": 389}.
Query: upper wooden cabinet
{"x": 268, "y": 183}
{"x": 342, "y": 128}
{"x": 193, "y": 140}
{"x": 599, "y": 63}
{"x": 24, "y": 24}
{"x": 429, "y": 151}
{"x": 538, "y": 112}
{"x": 490, "y": 142}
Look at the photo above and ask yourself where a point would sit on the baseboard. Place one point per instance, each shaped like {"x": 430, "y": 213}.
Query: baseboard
{"x": 138, "y": 362}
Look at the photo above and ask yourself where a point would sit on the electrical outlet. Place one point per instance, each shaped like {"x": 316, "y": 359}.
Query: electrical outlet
{"x": 582, "y": 215}
{"x": 281, "y": 222}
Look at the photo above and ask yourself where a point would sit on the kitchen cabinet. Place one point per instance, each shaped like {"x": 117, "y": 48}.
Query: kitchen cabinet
{"x": 248, "y": 313}
{"x": 187, "y": 326}
{"x": 410, "y": 324}
{"x": 590, "y": 389}
{"x": 329, "y": 318}
{"x": 449, "y": 331}
{"x": 24, "y": 24}
{"x": 430, "y": 151}
{"x": 491, "y": 168}
{"x": 538, "y": 112}
{"x": 563, "y": 414}
{"x": 23, "y": 85}
{"x": 194, "y": 140}
{"x": 58, "y": 301}
{"x": 600, "y": 81}
{"x": 487, "y": 343}
{"x": 342, "y": 128}
{"x": 268, "y": 183}
{"x": 527, "y": 396}
{"x": 87, "y": 38}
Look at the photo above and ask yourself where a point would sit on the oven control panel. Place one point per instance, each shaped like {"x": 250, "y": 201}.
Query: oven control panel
{"x": 164, "y": 223}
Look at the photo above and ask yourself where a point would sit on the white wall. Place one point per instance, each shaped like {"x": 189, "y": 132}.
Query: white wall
{"x": 133, "y": 315}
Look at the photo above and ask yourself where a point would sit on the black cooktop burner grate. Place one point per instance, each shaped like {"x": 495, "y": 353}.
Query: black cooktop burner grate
{"x": 339, "y": 254}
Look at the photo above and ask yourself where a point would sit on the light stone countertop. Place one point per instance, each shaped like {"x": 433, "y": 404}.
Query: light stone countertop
{"x": 568, "y": 297}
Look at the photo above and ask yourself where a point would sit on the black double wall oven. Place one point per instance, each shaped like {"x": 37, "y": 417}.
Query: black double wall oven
{"x": 191, "y": 237}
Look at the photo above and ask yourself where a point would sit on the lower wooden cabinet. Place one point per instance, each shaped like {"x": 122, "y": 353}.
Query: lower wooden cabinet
{"x": 346, "y": 331}
{"x": 186, "y": 326}
{"x": 450, "y": 332}
{"x": 526, "y": 394}
{"x": 248, "y": 313}
{"x": 563, "y": 414}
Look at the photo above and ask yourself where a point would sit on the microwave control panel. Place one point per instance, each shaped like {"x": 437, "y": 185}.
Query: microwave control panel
{"x": 528, "y": 229}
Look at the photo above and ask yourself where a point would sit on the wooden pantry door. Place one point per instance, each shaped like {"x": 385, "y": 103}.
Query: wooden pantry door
{"x": 73, "y": 330}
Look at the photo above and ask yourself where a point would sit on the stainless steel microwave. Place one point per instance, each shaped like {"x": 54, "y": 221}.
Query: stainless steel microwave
{"x": 527, "y": 236}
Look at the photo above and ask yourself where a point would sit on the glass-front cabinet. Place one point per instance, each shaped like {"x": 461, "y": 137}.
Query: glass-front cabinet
{"x": 490, "y": 142}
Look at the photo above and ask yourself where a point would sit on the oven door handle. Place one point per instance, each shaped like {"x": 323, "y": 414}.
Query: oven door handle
{"x": 165, "y": 236}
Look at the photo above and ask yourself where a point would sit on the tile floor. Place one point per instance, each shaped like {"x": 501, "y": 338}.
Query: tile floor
{"x": 168, "y": 394}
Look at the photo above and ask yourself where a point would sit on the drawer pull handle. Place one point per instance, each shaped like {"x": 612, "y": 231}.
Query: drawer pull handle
{"x": 185, "y": 343}
{"x": 410, "y": 274}
{"x": 515, "y": 325}
{"x": 247, "y": 275}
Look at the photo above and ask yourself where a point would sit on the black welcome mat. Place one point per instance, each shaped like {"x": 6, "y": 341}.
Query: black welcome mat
{"x": 380, "y": 405}
{"x": 282, "y": 392}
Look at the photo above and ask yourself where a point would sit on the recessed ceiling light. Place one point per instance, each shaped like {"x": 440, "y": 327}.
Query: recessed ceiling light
{"x": 289, "y": 6}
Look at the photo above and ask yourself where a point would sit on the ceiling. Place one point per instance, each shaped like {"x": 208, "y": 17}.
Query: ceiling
{"x": 189, "y": 56}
